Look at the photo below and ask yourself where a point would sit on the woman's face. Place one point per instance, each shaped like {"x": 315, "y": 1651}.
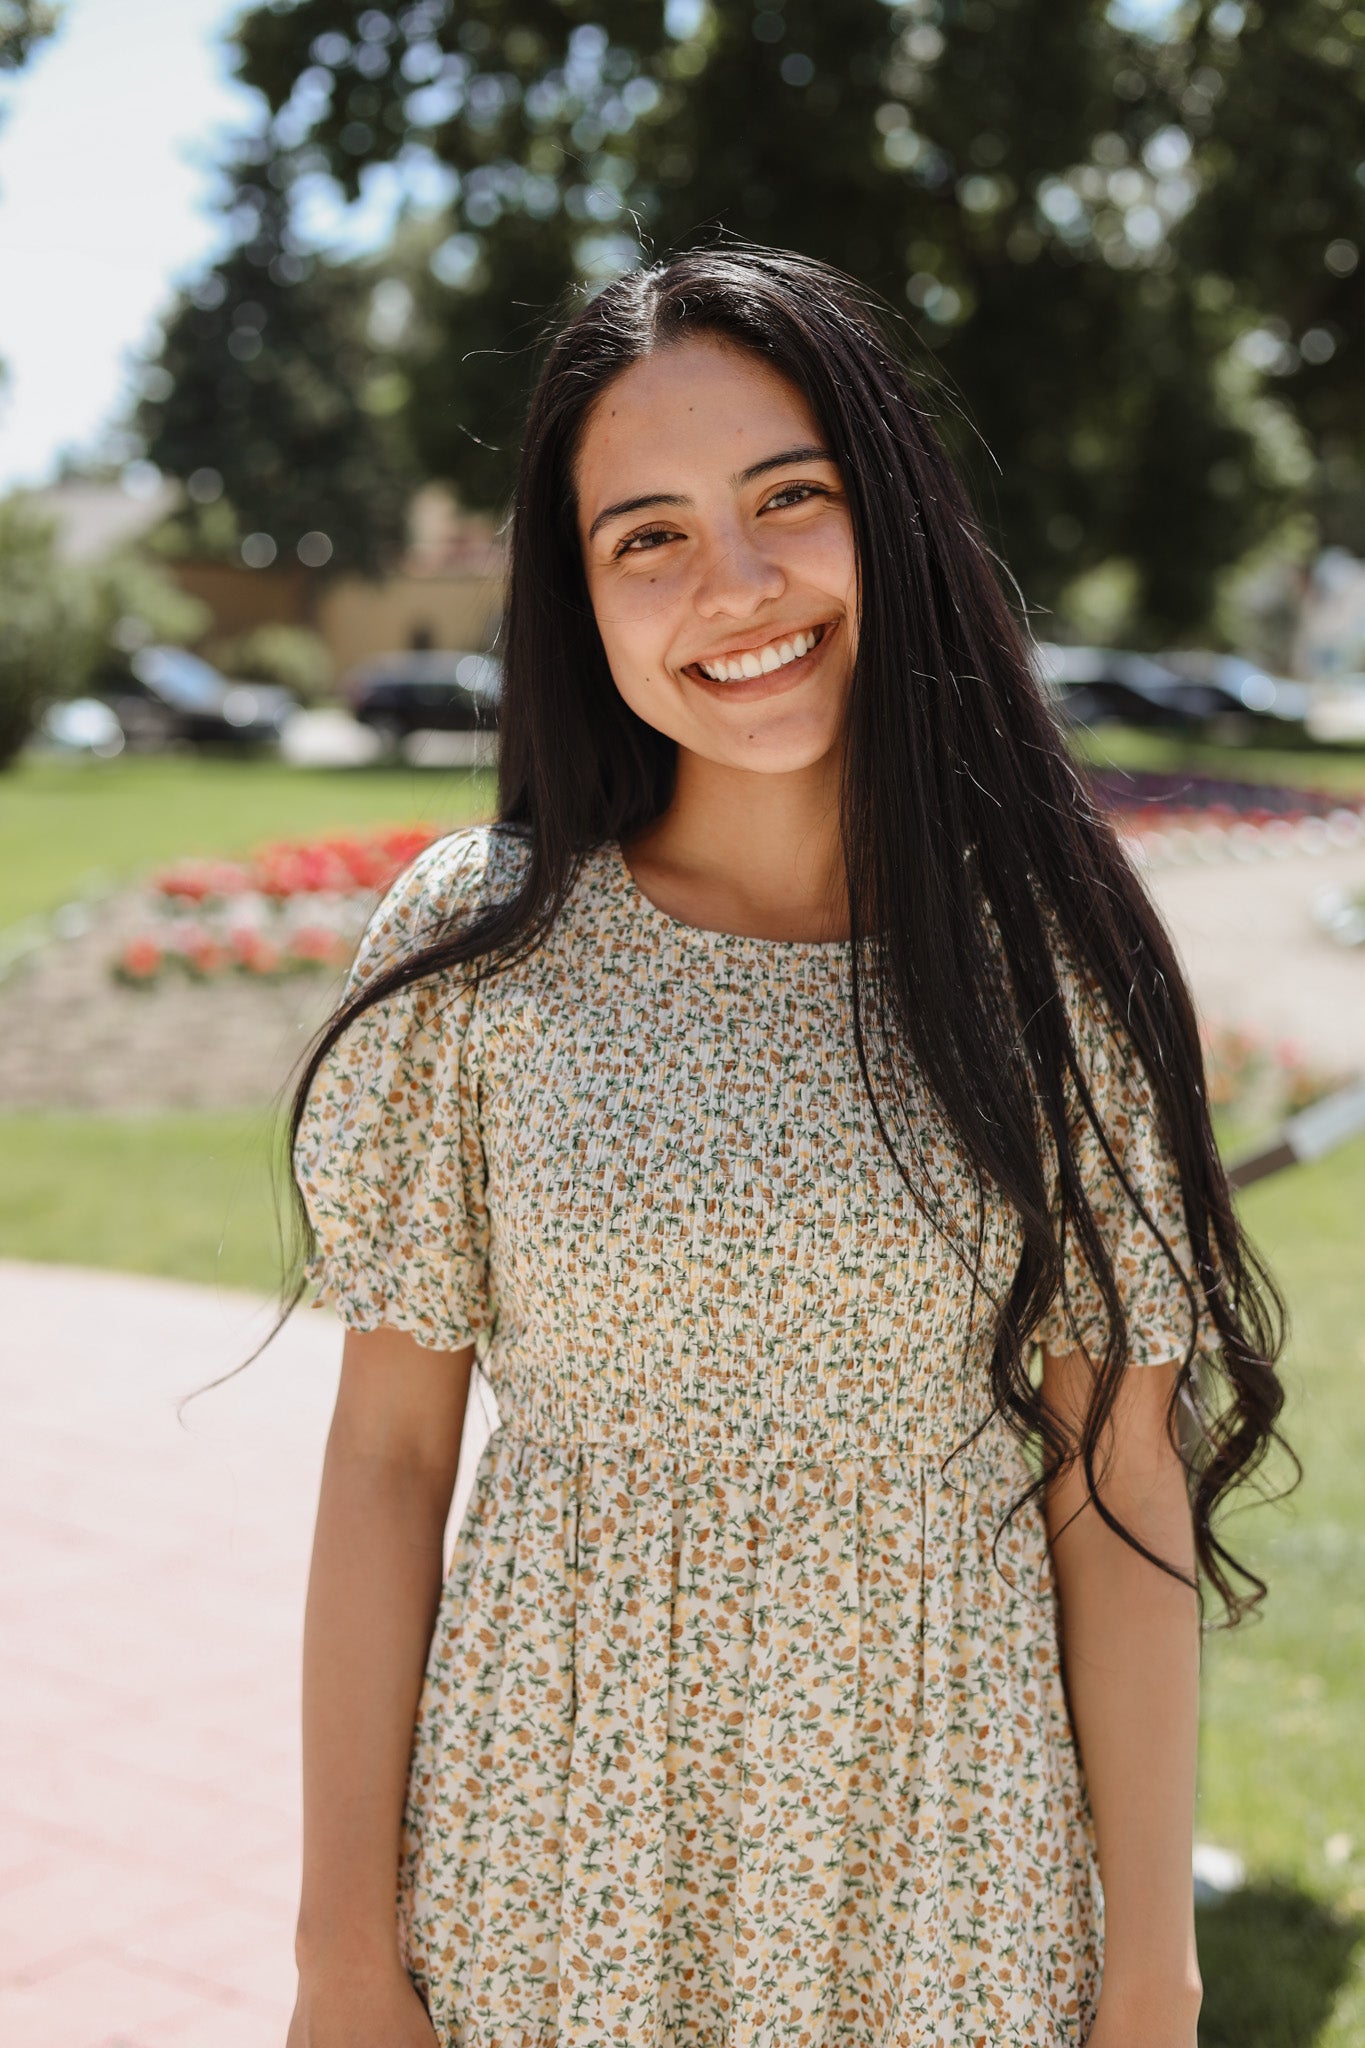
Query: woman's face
{"x": 719, "y": 556}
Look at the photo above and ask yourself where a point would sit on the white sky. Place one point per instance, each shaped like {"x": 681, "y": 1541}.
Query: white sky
{"x": 106, "y": 147}
{"x": 107, "y": 144}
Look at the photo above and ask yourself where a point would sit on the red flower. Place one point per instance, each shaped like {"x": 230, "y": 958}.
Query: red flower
{"x": 195, "y": 880}
{"x": 314, "y": 946}
{"x": 256, "y": 955}
{"x": 140, "y": 962}
{"x": 204, "y": 956}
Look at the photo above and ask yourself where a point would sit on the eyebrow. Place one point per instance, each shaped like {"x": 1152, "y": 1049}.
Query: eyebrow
{"x": 808, "y": 453}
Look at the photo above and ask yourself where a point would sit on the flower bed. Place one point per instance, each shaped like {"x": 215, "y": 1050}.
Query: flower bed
{"x": 1170, "y": 819}
{"x": 296, "y": 907}
{"x": 1257, "y": 1080}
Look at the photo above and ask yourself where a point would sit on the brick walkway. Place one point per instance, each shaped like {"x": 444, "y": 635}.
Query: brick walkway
{"x": 1254, "y": 955}
{"x": 151, "y": 1612}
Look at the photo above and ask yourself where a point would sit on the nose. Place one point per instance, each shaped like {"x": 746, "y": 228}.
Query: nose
{"x": 735, "y": 577}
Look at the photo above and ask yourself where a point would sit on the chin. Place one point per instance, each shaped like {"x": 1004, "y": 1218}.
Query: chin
{"x": 772, "y": 753}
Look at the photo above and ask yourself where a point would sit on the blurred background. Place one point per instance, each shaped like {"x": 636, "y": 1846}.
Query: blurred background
{"x": 273, "y": 283}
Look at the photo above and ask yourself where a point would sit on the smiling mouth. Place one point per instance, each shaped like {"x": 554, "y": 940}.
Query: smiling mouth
{"x": 762, "y": 661}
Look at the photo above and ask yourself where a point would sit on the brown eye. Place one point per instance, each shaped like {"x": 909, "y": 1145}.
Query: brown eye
{"x": 811, "y": 490}
{"x": 627, "y": 546}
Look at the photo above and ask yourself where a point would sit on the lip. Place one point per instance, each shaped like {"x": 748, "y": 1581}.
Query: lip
{"x": 776, "y": 680}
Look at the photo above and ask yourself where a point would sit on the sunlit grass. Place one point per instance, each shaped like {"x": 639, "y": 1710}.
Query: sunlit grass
{"x": 69, "y": 827}
{"x": 1341, "y": 769}
{"x": 1282, "y": 1767}
{"x": 186, "y": 1196}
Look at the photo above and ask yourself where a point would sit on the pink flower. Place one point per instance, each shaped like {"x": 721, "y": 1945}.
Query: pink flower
{"x": 255, "y": 955}
{"x": 204, "y": 956}
{"x": 313, "y": 945}
{"x": 140, "y": 961}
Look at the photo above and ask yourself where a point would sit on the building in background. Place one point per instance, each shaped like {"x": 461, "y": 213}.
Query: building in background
{"x": 445, "y": 593}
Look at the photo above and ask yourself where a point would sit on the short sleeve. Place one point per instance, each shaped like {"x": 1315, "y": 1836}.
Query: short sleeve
{"x": 389, "y": 1155}
{"x": 1158, "y": 1310}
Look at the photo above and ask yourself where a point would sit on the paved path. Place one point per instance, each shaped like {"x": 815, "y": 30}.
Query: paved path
{"x": 151, "y": 1611}
{"x": 1246, "y": 934}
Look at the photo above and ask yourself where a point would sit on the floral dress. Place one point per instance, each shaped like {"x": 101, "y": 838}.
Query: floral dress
{"x": 733, "y": 1733}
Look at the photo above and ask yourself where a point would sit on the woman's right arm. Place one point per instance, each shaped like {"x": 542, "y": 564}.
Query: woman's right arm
{"x": 375, "y": 1582}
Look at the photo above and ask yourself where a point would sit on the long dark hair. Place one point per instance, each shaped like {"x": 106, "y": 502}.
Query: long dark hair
{"x": 971, "y": 847}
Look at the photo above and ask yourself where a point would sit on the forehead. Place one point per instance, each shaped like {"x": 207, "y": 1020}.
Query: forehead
{"x": 699, "y": 404}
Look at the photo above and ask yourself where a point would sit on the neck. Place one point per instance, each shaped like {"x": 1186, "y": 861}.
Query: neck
{"x": 758, "y": 854}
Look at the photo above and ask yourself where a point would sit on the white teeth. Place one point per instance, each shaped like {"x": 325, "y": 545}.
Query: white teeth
{"x": 776, "y": 655}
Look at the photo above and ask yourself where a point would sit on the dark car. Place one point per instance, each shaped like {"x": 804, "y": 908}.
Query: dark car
{"x": 1111, "y": 686}
{"x": 1214, "y": 696}
{"x": 1241, "y": 698}
{"x": 425, "y": 690}
{"x": 166, "y": 696}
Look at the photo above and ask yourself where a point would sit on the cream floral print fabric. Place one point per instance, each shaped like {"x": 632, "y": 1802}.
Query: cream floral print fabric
{"x": 732, "y": 1733}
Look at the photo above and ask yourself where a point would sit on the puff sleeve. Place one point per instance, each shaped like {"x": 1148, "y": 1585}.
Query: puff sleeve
{"x": 389, "y": 1156}
{"x": 1159, "y": 1313}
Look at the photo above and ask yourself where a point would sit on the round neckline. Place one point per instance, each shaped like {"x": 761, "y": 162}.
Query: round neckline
{"x": 832, "y": 948}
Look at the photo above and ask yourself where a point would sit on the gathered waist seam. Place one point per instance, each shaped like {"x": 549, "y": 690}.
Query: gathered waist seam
{"x": 988, "y": 1449}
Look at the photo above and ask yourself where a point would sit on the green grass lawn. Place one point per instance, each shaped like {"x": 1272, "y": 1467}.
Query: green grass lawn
{"x": 68, "y": 827}
{"x": 187, "y": 1196}
{"x": 1282, "y": 1766}
{"x": 1341, "y": 769}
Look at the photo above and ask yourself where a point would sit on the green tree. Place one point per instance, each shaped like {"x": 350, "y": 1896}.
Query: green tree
{"x": 125, "y": 602}
{"x": 61, "y": 622}
{"x": 269, "y": 396}
{"x": 23, "y": 25}
{"x": 44, "y": 625}
{"x": 1280, "y": 220}
{"x": 1067, "y": 208}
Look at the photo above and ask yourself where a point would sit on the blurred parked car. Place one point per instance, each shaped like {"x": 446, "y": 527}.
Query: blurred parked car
{"x": 165, "y": 696}
{"x": 1237, "y": 694}
{"x": 1109, "y": 686}
{"x": 425, "y": 690}
{"x": 1218, "y": 696}
{"x": 1337, "y": 716}
{"x": 81, "y": 725}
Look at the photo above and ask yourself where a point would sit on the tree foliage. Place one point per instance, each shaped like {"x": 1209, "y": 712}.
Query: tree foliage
{"x": 1129, "y": 261}
{"x": 23, "y": 25}
{"x": 59, "y": 620}
{"x": 40, "y": 638}
{"x": 268, "y": 394}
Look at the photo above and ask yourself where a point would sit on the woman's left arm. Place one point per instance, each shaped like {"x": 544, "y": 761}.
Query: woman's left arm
{"x": 1130, "y": 1652}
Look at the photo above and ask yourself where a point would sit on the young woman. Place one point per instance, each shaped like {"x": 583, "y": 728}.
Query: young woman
{"x": 795, "y": 1106}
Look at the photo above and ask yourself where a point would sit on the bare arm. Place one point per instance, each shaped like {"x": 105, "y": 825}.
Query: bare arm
{"x": 1130, "y": 1644}
{"x": 388, "y": 1477}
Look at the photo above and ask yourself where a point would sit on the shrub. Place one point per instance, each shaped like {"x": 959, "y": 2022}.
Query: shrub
{"x": 290, "y": 655}
{"x": 45, "y": 628}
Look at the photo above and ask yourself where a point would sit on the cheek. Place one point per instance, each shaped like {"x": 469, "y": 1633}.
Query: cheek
{"x": 637, "y": 619}
{"x": 827, "y": 559}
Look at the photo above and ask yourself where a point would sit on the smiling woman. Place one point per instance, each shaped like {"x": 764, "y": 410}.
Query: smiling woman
{"x": 795, "y": 1106}
{"x": 730, "y": 625}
